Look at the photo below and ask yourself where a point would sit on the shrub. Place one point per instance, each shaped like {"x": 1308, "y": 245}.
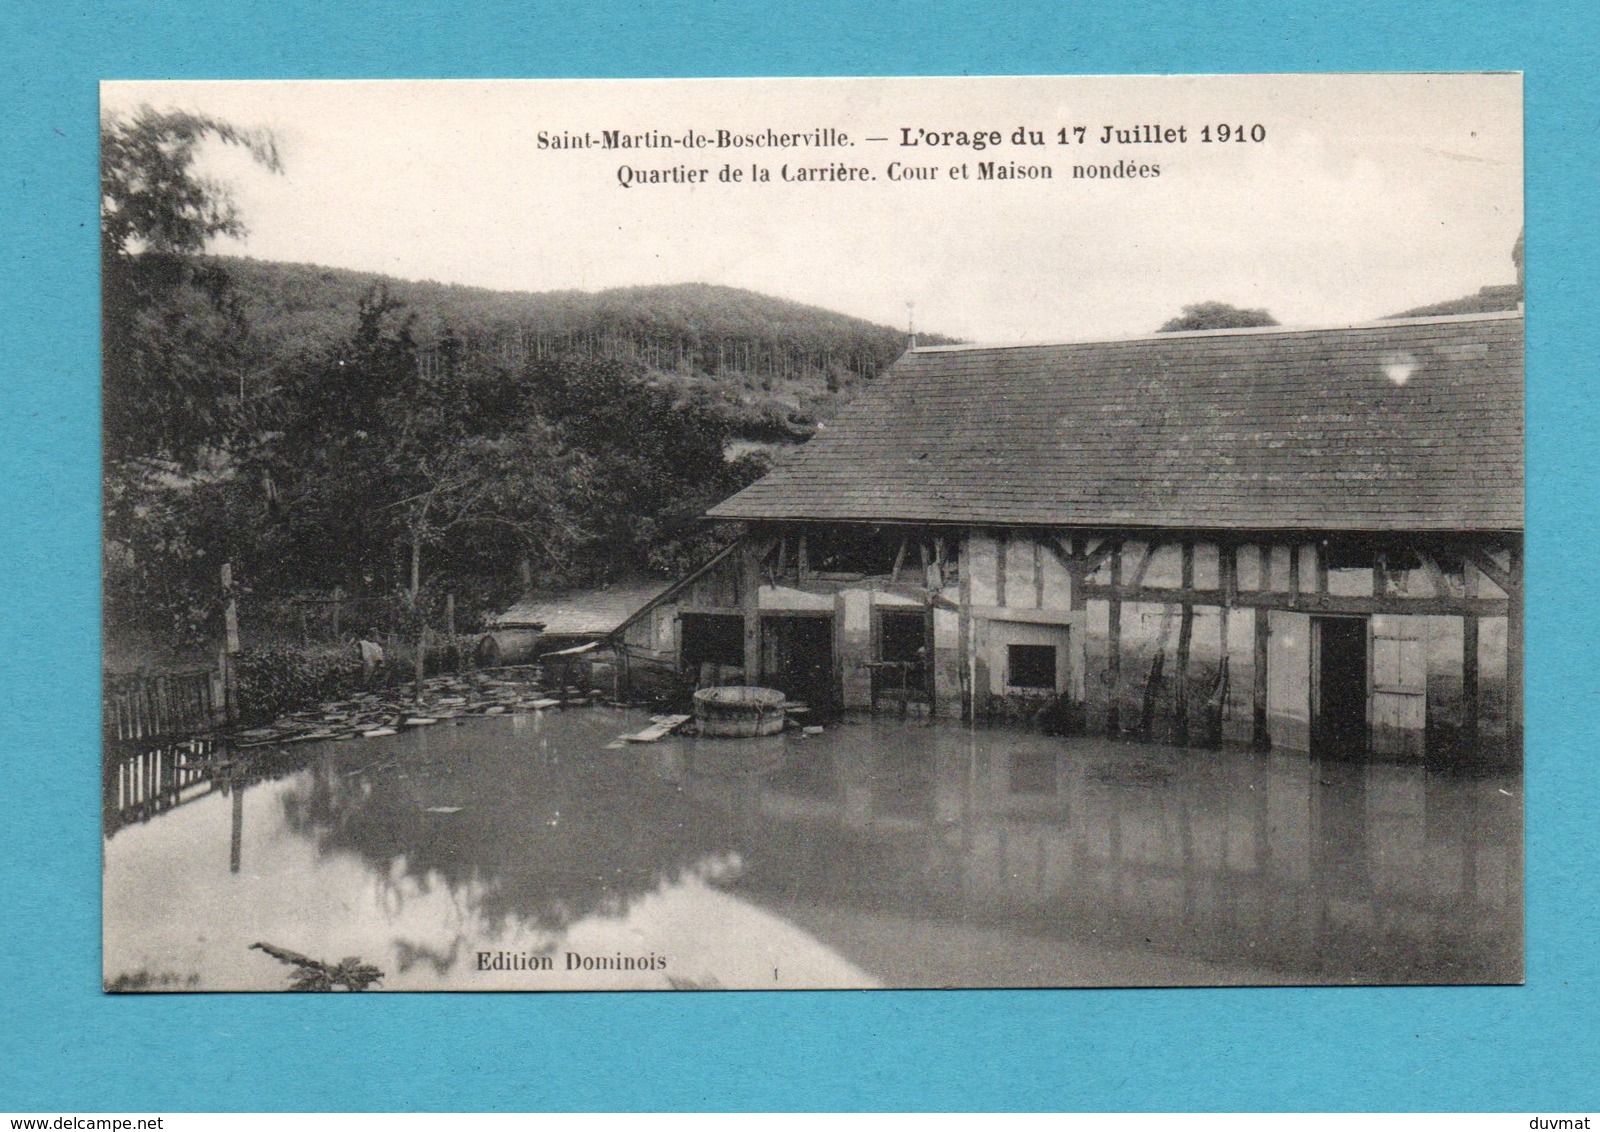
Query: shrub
{"x": 277, "y": 679}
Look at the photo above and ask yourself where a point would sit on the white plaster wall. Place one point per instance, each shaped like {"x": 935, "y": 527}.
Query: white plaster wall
{"x": 1004, "y": 633}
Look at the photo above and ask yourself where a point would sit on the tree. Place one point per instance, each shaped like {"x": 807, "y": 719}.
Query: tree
{"x": 175, "y": 341}
{"x": 1216, "y": 316}
{"x": 151, "y": 199}
{"x": 379, "y": 458}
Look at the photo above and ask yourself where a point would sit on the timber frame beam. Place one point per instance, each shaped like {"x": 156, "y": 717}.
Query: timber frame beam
{"x": 1302, "y": 602}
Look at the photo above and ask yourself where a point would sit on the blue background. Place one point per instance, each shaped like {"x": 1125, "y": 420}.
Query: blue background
{"x": 64, "y": 1046}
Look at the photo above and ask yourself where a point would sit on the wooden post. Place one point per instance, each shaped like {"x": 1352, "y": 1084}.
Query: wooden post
{"x": 1114, "y": 648}
{"x": 802, "y": 561}
{"x": 338, "y": 608}
{"x": 230, "y": 644}
{"x": 969, "y": 697}
{"x": 1185, "y": 636}
{"x": 1000, "y": 540}
{"x": 1038, "y": 574}
{"x": 1514, "y": 616}
{"x": 236, "y": 838}
{"x": 1470, "y": 713}
{"x": 749, "y": 599}
{"x": 525, "y": 573}
{"x": 1294, "y": 574}
{"x": 230, "y": 610}
{"x": 450, "y": 615}
{"x": 305, "y": 629}
{"x": 1258, "y": 692}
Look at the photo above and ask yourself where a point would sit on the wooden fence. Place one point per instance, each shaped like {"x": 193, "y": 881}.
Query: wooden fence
{"x": 169, "y": 706}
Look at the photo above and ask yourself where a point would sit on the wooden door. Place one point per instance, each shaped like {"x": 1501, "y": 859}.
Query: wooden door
{"x": 1399, "y": 686}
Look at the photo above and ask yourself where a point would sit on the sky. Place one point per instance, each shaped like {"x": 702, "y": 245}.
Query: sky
{"x": 1365, "y": 195}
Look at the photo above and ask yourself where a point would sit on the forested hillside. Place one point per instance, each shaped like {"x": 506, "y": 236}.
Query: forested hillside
{"x": 424, "y": 451}
{"x": 752, "y": 341}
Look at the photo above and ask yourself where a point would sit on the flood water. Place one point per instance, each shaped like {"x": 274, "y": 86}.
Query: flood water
{"x": 880, "y": 853}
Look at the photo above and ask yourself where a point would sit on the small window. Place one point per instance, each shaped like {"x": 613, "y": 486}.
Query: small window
{"x": 1031, "y": 666}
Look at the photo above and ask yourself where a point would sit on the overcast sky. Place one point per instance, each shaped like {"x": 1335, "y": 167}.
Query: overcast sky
{"x": 1369, "y": 194}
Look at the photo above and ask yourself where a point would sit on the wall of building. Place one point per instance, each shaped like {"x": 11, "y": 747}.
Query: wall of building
{"x": 1005, "y": 588}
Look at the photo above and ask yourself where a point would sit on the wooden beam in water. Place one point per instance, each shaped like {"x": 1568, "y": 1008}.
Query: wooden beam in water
{"x": 1185, "y": 637}
{"x": 1114, "y": 643}
{"x": 751, "y": 556}
{"x": 1260, "y": 737}
{"x": 1470, "y": 711}
{"x": 969, "y": 698}
{"x": 1514, "y": 615}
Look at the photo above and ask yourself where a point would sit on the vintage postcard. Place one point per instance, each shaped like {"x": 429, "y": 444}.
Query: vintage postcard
{"x": 830, "y": 533}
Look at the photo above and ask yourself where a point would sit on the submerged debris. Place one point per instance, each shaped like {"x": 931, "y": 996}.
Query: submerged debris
{"x": 442, "y": 699}
{"x": 350, "y": 974}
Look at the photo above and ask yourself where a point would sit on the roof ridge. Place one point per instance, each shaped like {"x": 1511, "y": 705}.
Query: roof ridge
{"x": 1241, "y": 331}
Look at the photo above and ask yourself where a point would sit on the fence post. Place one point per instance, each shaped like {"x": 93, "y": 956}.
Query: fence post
{"x": 230, "y": 643}
{"x": 338, "y": 599}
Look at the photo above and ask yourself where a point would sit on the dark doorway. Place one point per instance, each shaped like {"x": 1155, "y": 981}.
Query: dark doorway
{"x": 1340, "y": 688}
{"x": 901, "y": 672}
{"x": 713, "y": 648}
{"x": 797, "y": 659}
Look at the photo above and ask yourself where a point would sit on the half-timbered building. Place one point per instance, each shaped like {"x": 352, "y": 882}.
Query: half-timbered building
{"x": 1308, "y": 538}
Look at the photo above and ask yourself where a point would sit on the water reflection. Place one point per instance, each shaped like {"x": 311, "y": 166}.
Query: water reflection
{"x": 878, "y": 853}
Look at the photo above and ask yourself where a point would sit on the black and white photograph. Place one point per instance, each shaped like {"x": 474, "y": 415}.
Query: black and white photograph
{"x": 774, "y": 534}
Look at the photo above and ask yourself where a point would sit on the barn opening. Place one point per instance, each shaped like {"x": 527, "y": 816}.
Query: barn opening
{"x": 797, "y": 658}
{"x": 1339, "y": 686}
{"x": 901, "y": 672}
{"x": 712, "y": 647}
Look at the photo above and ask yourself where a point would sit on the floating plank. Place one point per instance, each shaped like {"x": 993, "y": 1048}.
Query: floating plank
{"x": 575, "y": 650}
{"x": 659, "y": 730}
{"x": 540, "y": 705}
{"x": 378, "y": 732}
{"x": 443, "y": 809}
{"x": 420, "y": 721}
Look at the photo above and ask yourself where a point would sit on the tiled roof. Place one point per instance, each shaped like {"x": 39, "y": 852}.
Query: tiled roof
{"x": 1413, "y": 425}
{"x": 582, "y": 613}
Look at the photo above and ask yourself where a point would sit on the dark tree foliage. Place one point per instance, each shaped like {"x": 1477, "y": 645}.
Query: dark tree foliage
{"x": 381, "y": 467}
{"x": 1216, "y": 316}
{"x": 177, "y": 359}
{"x": 396, "y": 456}
{"x": 176, "y": 346}
{"x": 657, "y": 460}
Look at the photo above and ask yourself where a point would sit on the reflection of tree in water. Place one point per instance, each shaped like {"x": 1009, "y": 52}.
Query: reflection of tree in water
{"x": 537, "y": 839}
